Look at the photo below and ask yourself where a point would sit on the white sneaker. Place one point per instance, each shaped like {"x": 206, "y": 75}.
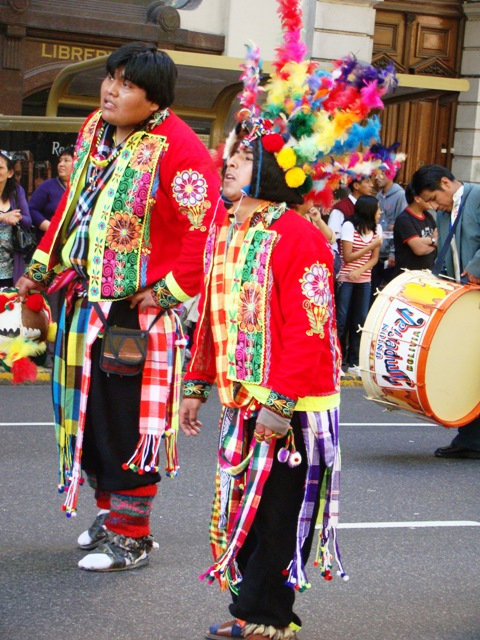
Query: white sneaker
{"x": 118, "y": 553}
{"x": 354, "y": 371}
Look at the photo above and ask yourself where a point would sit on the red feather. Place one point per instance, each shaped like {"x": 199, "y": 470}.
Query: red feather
{"x": 324, "y": 198}
{"x": 23, "y": 370}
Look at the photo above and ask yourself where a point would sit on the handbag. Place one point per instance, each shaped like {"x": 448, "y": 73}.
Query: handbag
{"x": 124, "y": 350}
{"x": 24, "y": 241}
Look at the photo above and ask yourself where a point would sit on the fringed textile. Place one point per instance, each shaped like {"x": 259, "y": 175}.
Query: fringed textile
{"x": 269, "y": 631}
{"x": 239, "y": 488}
{"x": 320, "y": 434}
{"x": 260, "y": 463}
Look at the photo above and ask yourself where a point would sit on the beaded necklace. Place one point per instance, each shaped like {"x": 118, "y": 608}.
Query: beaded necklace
{"x": 101, "y": 161}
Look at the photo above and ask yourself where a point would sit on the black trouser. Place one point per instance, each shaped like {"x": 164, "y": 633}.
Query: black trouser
{"x": 112, "y": 418}
{"x": 263, "y": 596}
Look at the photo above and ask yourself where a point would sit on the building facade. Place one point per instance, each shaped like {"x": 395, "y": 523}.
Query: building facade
{"x": 52, "y": 57}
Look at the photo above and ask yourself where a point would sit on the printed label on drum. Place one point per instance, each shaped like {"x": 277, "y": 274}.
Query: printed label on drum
{"x": 398, "y": 346}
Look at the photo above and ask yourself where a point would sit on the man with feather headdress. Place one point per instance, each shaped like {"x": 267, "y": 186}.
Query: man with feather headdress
{"x": 267, "y": 334}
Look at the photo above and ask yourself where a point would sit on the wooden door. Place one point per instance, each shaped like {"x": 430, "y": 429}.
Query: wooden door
{"x": 420, "y": 39}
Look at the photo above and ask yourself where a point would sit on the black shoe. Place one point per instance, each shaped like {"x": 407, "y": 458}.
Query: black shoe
{"x": 92, "y": 537}
{"x": 454, "y": 451}
{"x": 118, "y": 553}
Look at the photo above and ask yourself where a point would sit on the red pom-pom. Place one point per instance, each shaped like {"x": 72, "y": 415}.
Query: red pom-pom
{"x": 273, "y": 142}
{"x": 3, "y": 302}
{"x": 125, "y": 466}
{"x": 35, "y": 302}
{"x": 24, "y": 370}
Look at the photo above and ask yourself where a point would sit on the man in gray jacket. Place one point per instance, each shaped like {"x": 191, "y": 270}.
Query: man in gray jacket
{"x": 452, "y": 198}
{"x": 392, "y": 201}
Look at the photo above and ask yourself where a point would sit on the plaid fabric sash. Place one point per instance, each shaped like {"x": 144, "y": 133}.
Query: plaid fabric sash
{"x": 228, "y": 259}
{"x": 235, "y": 510}
{"x": 224, "y": 261}
{"x": 159, "y": 402}
{"x": 320, "y": 434}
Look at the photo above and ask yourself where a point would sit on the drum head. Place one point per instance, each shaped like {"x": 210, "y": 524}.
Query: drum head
{"x": 452, "y": 372}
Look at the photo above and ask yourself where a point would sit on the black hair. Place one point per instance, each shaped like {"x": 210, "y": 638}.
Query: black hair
{"x": 409, "y": 193}
{"x": 68, "y": 151}
{"x": 429, "y": 177}
{"x": 358, "y": 181}
{"x": 10, "y": 188}
{"x": 363, "y": 218}
{"x": 149, "y": 68}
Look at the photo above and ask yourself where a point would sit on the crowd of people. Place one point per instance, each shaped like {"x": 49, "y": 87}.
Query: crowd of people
{"x": 135, "y": 227}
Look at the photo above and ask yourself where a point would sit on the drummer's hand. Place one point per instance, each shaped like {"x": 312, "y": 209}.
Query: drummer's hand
{"x": 24, "y": 285}
{"x": 143, "y": 299}
{"x": 391, "y": 262}
{"x": 471, "y": 278}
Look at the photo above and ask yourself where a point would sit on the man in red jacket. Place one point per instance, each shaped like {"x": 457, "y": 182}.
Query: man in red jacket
{"x": 267, "y": 336}
{"x": 126, "y": 243}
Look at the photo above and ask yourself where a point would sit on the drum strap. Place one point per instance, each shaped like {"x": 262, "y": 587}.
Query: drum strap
{"x": 438, "y": 265}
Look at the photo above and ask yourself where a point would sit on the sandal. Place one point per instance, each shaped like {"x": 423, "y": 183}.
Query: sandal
{"x": 230, "y": 629}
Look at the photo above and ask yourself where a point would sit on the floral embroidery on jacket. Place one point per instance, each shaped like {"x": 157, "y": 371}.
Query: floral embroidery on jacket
{"x": 250, "y": 307}
{"x": 124, "y": 232}
{"x": 189, "y": 189}
{"x": 315, "y": 288}
{"x": 246, "y": 336}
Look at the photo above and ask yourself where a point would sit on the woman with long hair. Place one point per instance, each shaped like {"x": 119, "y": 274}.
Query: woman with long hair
{"x": 361, "y": 237}
{"x": 13, "y": 210}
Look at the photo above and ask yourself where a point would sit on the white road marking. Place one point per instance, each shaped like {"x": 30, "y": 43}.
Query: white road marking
{"x": 388, "y": 424}
{"x": 342, "y": 424}
{"x": 26, "y": 424}
{"x": 408, "y": 525}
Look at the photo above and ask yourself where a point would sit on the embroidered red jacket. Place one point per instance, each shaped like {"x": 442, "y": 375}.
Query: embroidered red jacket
{"x": 150, "y": 221}
{"x": 279, "y": 329}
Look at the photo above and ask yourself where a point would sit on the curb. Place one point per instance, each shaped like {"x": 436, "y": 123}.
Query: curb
{"x": 44, "y": 377}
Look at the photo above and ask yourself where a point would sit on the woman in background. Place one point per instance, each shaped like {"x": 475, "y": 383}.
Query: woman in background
{"x": 44, "y": 200}
{"x": 13, "y": 210}
{"x": 361, "y": 237}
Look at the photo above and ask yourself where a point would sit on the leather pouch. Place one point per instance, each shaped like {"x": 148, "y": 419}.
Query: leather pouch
{"x": 123, "y": 351}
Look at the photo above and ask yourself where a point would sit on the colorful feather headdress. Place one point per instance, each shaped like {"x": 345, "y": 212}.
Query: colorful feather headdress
{"x": 317, "y": 123}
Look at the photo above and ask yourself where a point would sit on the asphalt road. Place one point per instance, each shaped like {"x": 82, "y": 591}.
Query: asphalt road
{"x": 409, "y": 539}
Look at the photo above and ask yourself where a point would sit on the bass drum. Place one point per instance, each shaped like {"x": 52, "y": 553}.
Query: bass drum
{"x": 420, "y": 348}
